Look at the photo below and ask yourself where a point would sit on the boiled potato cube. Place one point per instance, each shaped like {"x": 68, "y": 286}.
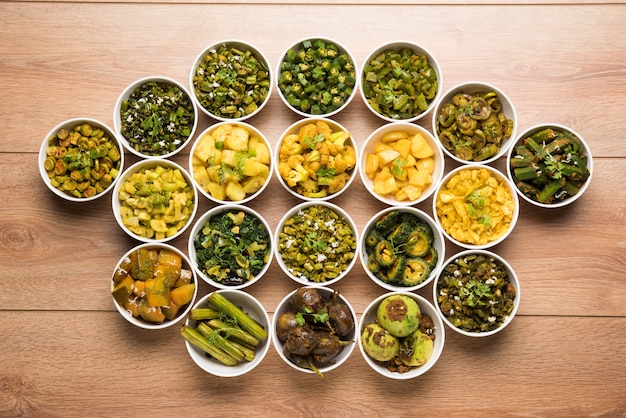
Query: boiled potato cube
{"x": 387, "y": 156}
{"x": 234, "y": 191}
{"x": 238, "y": 139}
{"x": 217, "y": 190}
{"x": 254, "y": 168}
{"x": 403, "y": 146}
{"x": 371, "y": 165}
{"x": 420, "y": 148}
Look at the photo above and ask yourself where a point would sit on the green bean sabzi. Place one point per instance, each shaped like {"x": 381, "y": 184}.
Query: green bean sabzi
{"x": 83, "y": 161}
{"x": 473, "y": 126}
{"x": 399, "y": 84}
{"x": 157, "y": 118}
{"x": 231, "y": 82}
{"x": 549, "y": 166}
{"x": 316, "y": 77}
{"x": 317, "y": 244}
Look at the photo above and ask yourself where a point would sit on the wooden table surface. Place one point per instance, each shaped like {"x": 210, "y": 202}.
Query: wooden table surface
{"x": 66, "y": 351}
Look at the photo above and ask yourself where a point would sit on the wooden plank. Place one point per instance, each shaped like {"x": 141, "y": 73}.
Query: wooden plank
{"x": 72, "y": 363}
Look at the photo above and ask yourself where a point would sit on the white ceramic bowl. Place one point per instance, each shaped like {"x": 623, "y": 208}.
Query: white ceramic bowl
{"x": 426, "y": 308}
{"x": 122, "y": 270}
{"x": 207, "y": 98}
{"x": 196, "y": 230}
{"x": 283, "y": 169}
{"x": 285, "y": 306}
{"x": 320, "y": 234}
{"x": 474, "y": 87}
{"x": 285, "y": 88}
{"x": 250, "y": 305}
{"x": 438, "y": 245}
{"x": 531, "y": 197}
{"x": 50, "y": 154}
{"x": 210, "y": 166}
{"x": 423, "y": 191}
{"x": 183, "y": 100}
{"x": 372, "y": 65}
{"x": 141, "y": 216}
{"x": 462, "y": 207}
{"x": 512, "y": 277}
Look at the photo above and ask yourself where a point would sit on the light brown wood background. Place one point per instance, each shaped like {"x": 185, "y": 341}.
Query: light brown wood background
{"x": 64, "y": 349}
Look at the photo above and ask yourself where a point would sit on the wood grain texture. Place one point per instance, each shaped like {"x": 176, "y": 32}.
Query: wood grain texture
{"x": 64, "y": 349}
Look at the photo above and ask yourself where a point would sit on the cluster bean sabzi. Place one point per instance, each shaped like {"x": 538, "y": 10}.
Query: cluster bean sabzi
{"x": 231, "y": 162}
{"x": 475, "y": 293}
{"x": 224, "y": 331}
{"x": 400, "y": 337}
{"x": 475, "y": 206}
{"x": 400, "y": 249}
{"x": 399, "y": 83}
{"x": 83, "y": 161}
{"x": 316, "y": 78}
{"x": 549, "y": 165}
{"x": 313, "y": 331}
{"x": 156, "y": 202}
{"x": 472, "y": 126}
{"x": 316, "y": 244}
{"x": 232, "y": 247}
{"x": 316, "y": 161}
{"x": 401, "y": 165}
{"x": 157, "y": 118}
{"x": 231, "y": 82}
{"x": 153, "y": 284}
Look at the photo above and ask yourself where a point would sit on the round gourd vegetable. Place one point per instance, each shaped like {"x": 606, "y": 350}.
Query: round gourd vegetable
{"x": 378, "y": 343}
{"x": 398, "y": 314}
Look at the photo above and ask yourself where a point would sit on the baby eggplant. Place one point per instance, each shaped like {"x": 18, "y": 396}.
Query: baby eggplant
{"x": 378, "y": 343}
{"x": 327, "y": 348}
{"x": 285, "y": 323}
{"x": 306, "y": 299}
{"x": 399, "y": 314}
{"x": 340, "y": 318}
{"x": 301, "y": 341}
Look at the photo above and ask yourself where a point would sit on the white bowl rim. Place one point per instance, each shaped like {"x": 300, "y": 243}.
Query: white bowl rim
{"x": 294, "y": 210}
{"x": 204, "y": 218}
{"x": 342, "y": 48}
{"x": 477, "y": 86}
{"x": 241, "y": 43}
{"x": 75, "y": 122}
{"x": 511, "y": 187}
{"x": 437, "y": 174}
{"x": 534, "y": 129}
{"x": 438, "y": 237}
{"x": 212, "y": 366}
{"x": 439, "y": 340}
{"x": 250, "y": 128}
{"x": 126, "y": 93}
{"x": 292, "y": 129}
{"x": 419, "y": 48}
{"x": 513, "y": 278}
{"x": 182, "y": 314}
{"x": 146, "y": 163}
{"x": 345, "y": 353}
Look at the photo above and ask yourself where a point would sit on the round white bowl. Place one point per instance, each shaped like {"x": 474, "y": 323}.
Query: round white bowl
{"x": 126, "y": 93}
{"x": 139, "y": 166}
{"x": 250, "y": 305}
{"x": 197, "y": 161}
{"x": 438, "y": 245}
{"x": 229, "y": 44}
{"x": 412, "y": 129}
{"x": 279, "y": 231}
{"x": 502, "y": 178}
{"x": 513, "y": 279}
{"x": 285, "y": 306}
{"x": 299, "y": 45}
{"x": 397, "y": 46}
{"x": 426, "y": 308}
{"x": 294, "y": 129}
{"x": 69, "y": 125}
{"x": 138, "y": 321}
{"x": 561, "y": 128}
{"x": 199, "y": 225}
{"x": 473, "y": 87}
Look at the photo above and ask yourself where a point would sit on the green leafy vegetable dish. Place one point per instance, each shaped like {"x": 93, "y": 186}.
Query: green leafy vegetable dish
{"x": 233, "y": 247}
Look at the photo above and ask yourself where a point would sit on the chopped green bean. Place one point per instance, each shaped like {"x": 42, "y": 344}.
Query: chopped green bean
{"x": 316, "y": 244}
{"x": 231, "y": 82}
{"x": 157, "y": 118}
